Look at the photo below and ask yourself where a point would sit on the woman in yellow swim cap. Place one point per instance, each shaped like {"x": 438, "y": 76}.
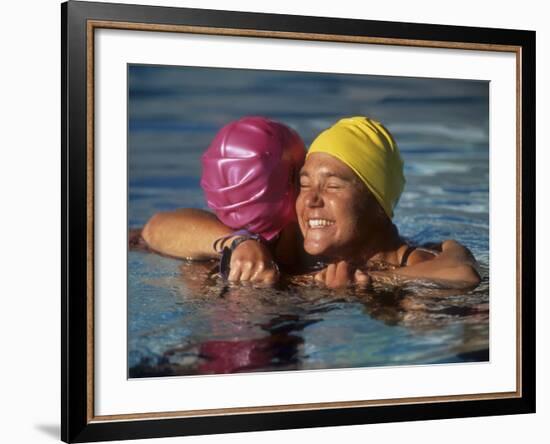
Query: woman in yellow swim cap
{"x": 349, "y": 186}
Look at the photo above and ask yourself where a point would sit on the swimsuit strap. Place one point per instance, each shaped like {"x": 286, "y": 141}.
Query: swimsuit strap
{"x": 406, "y": 255}
{"x": 410, "y": 249}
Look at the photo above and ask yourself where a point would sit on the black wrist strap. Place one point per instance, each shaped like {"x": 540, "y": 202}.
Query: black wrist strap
{"x": 225, "y": 260}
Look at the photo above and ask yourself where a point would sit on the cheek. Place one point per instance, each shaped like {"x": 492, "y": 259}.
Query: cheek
{"x": 346, "y": 208}
{"x": 353, "y": 215}
{"x": 299, "y": 206}
{"x": 299, "y": 203}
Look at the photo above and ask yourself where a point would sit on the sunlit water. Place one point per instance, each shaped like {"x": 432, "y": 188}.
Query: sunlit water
{"x": 183, "y": 319}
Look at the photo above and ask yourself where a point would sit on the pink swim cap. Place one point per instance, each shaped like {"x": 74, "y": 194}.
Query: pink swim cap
{"x": 249, "y": 173}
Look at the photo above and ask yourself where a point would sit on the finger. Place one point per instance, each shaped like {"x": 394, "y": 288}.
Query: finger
{"x": 338, "y": 275}
{"x": 234, "y": 271}
{"x": 361, "y": 279}
{"x": 341, "y": 274}
{"x": 320, "y": 277}
{"x": 257, "y": 272}
{"x": 270, "y": 277}
{"x": 330, "y": 275}
{"x": 246, "y": 271}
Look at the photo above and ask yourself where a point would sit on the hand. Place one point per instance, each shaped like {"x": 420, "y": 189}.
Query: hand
{"x": 251, "y": 261}
{"x": 342, "y": 274}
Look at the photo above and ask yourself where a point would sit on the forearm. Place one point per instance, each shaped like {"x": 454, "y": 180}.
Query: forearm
{"x": 185, "y": 233}
{"x": 460, "y": 277}
{"x": 454, "y": 267}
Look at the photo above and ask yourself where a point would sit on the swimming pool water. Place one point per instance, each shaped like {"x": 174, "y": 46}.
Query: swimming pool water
{"x": 182, "y": 319}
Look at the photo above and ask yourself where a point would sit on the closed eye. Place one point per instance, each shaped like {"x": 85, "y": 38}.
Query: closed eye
{"x": 334, "y": 185}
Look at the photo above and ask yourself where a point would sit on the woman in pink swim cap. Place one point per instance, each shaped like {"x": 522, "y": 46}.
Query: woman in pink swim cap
{"x": 249, "y": 175}
{"x": 249, "y": 179}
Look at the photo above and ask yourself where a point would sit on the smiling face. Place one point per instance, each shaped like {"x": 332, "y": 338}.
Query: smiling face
{"x": 336, "y": 212}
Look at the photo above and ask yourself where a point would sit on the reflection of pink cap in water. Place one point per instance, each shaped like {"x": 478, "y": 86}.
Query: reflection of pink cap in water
{"x": 249, "y": 173}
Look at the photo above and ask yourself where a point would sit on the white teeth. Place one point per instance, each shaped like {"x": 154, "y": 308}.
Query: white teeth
{"x": 317, "y": 223}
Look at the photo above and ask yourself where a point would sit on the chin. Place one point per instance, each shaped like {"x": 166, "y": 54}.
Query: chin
{"x": 314, "y": 249}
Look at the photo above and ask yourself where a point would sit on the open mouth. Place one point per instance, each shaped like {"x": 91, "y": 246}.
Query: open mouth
{"x": 319, "y": 223}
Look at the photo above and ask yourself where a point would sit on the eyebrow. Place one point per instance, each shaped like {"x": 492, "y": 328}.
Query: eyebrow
{"x": 327, "y": 175}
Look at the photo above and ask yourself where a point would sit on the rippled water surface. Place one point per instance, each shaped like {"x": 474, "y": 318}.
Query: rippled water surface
{"x": 184, "y": 320}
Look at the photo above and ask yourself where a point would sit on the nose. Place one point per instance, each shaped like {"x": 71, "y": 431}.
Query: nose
{"x": 313, "y": 198}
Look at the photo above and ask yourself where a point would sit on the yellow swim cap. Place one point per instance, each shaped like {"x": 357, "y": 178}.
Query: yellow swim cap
{"x": 369, "y": 150}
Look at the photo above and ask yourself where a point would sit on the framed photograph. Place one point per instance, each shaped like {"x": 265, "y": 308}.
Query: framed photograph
{"x": 275, "y": 221}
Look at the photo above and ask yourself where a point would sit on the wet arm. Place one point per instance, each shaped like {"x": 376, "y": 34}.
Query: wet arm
{"x": 190, "y": 234}
{"x": 454, "y": 267}
{"x": 184, "y": 233}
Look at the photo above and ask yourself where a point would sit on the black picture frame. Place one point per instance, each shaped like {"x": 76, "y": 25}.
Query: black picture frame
{"x": 78, "y": 423}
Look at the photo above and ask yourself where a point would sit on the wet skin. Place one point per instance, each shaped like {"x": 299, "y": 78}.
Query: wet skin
{"x": 336, "y": 212}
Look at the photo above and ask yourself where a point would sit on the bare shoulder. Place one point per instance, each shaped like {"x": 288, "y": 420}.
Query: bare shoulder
{"x": 461, "y": 258}
{"x": 448, "y": 261}
{"x": 456, "y": 250}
